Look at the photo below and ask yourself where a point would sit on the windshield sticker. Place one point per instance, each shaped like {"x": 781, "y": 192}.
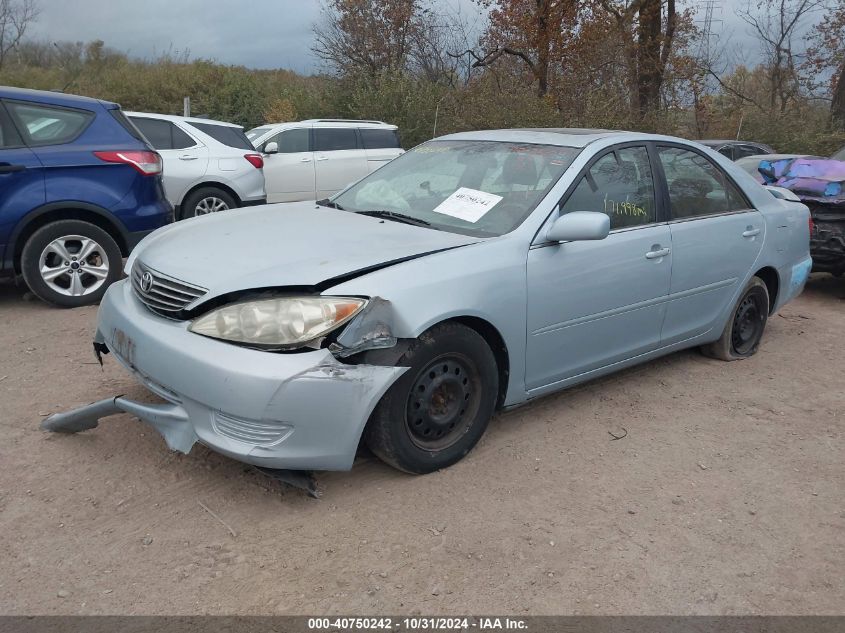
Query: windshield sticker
{"x": 469, "y": 205}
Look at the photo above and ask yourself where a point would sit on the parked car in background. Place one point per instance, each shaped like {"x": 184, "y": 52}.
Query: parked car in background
{"x": 751, "y": 164}
{"x": 79, "y": 187}
{"x": 818, "y": 183}
{"x": 317, "y": 158}
{"x": 738, "y": 149}
{"x": 209, "y": 166}
{"x": 476, "y": 272}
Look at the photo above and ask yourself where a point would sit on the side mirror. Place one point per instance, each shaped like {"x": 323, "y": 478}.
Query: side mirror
{"x": 579, "y": 225}
{"x": 271, "y": 148}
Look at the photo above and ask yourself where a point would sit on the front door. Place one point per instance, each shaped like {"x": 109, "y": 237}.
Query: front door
{"x": 595, "y": 303}
{"x": 289, "y": 172}
{"x": 716, "y": 238}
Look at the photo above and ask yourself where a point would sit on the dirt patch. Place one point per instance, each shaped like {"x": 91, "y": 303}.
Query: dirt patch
{"x": 727, "y": 496}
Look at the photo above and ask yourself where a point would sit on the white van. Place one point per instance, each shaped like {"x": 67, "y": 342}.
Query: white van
{"x": 314, "y": 159}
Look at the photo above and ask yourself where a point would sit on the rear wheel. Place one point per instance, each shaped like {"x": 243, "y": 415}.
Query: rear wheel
{"x": 207, "y": 200}
{"x": 742, "y": 334}
{"x": 438, "y": 409}
{"x": 70, "y": 263}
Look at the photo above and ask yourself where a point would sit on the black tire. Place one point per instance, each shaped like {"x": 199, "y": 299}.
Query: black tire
{"x": 192, "y": 205}
{"x": 438, "y": 409}
{"x": 744, "y": 330}
{"x": 105, "y": 259}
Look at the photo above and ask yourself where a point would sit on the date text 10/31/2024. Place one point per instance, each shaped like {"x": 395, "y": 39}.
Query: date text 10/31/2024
{"x": 418, "y": 623}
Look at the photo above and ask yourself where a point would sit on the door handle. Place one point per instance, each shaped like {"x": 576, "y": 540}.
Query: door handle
{"x": 305, "y": 160}
{"x": 750, "y": 232}
{"x": 657, "y": 253}
{"x": 187, "y": 157}
{"x": 322, "y": 158}
{"x": 6, "y": 168}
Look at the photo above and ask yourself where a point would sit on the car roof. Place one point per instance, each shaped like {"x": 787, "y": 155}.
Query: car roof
{"x": 362, "y": 123}
{"x": 711, "y": 142}
{"x": 567, "y": 137}
{"x": 185, "y": 119}
{"x": 53, "y": 98}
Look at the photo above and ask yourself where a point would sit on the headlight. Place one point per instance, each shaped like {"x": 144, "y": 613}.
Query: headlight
{"x": 278, "y": 323}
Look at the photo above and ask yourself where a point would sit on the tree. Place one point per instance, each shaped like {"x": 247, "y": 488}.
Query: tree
{"x": 826, "y": 56}
{"x": 651, "y": 39}
{"x": 370, "y": 36}
{"x": 15, "y": 18}
{"x": 531, "y": 31}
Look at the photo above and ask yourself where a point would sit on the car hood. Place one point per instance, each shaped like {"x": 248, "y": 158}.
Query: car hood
{"x": 293, "y": 244}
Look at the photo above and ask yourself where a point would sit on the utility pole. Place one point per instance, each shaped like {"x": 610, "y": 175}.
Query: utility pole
{"x": 186, "y": 107}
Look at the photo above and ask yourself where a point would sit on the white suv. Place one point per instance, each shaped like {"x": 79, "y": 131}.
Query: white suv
{"x": 315, "y": 159}
{"x": 208, "y": 165}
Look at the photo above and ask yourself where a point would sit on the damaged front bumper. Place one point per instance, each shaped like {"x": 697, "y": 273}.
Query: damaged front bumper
{"x": 301, "y": 411}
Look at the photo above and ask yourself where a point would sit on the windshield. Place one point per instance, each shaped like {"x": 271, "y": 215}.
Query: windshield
{"x": 255, "y": 132}
{"x": 840, "y": 155}
{"x": 482, "y": 188}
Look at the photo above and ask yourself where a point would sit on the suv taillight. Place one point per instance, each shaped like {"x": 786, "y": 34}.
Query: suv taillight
{"x": 256, "y": 160}
{"x": 147, "y": 163}
{"x": 811, "y": 225}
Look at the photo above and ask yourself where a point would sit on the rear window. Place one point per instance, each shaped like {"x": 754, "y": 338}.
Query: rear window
{"x": 126, "y": 124}
{"x": 229, "y": 136}
{"x": 379, "y": 138}
{"x": 328, "y": 139}
{"x": 163, "y": 134}
{"x": 49, "y": 125}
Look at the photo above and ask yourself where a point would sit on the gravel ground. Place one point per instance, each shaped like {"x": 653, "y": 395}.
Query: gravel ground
{"x": 726, "y": 496}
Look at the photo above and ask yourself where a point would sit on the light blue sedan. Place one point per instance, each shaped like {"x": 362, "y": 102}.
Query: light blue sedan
{"x": 475, "y": 273}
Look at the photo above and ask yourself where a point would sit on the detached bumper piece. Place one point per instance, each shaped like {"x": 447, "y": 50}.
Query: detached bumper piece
{"x": 169, "y": 420}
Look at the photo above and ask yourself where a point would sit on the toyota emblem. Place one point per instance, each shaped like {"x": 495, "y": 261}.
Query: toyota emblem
{"x": 146, "y": 282}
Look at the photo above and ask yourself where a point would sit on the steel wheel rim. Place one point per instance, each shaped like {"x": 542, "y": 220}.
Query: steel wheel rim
{"x": 443, "y": 402}
{"x": 74, "y": 265}
{"x": 747, "y": 324}
{"x": 211, "y": 204}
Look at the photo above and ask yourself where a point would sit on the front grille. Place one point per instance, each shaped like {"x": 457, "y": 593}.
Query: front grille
{"x": 250, "y": 432}
{"x": 166, "y": 296}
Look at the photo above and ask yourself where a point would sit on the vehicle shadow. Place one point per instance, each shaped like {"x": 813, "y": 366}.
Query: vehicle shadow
{"x": 823, "y": 285}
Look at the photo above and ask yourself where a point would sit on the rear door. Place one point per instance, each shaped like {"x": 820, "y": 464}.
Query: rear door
{"x": 289, "y": 172}
{"x": 716, "y": 238}
{"x": 185, "y": 158}
{"x": 21, "y": 178}
{"x": 380, "y": 146}
{"x": 338, "y": 158}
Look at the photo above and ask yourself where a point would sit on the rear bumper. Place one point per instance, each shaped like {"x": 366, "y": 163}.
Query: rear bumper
{"x": 793, "y": 278}
{"x": 294, "y": 411}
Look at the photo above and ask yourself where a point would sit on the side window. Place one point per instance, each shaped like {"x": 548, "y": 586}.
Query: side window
{"x": 8, "y": 135}
{"x": 375, "y": 138}
{"x": 747, "y": 150}
{"x": 619, "y": 184}
{"x": 46, "y": 125}
{"x": 156, "y": 131}
{"x": 292, "y": 141}
{"x": 181, "y": 140}
{"x": 333, "y": 139}
{"x": 727, "y": 150}
{"x": 696, "y": 186}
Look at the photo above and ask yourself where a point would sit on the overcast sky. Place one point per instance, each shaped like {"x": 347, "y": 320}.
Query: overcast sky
{"x": 255, "y": 33}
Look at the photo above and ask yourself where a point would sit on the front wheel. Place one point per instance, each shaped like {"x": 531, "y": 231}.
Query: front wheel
{"x": 438, "y": 410}
{"x": 741, "y": 336}
{"x": 70, "y": 263}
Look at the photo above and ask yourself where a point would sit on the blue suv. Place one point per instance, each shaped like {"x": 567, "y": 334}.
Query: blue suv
{"x": 79, "y": 187}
